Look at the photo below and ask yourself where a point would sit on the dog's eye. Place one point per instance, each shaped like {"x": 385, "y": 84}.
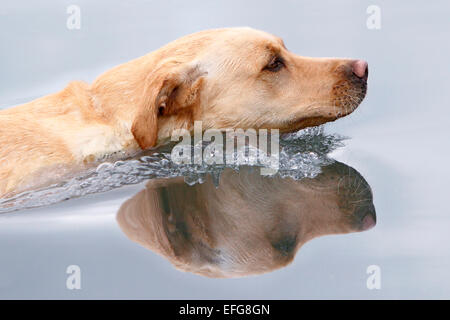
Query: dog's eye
{"x": 162, "y": 109}
{"x": 275, "y": 64}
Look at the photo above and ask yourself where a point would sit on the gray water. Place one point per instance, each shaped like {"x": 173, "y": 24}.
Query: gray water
{"x": 398, "y": 144}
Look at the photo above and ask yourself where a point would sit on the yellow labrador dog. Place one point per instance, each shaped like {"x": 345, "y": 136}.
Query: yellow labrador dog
{"x": 226, "y": 78}
{"x": 250, "y": 224}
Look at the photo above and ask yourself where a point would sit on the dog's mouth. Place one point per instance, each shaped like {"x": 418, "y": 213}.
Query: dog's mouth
{"x": 306, "y": 123}
{"x": 347, "y": 96}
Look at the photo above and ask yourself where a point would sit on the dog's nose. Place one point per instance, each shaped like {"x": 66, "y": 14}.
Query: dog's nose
{"x": 360, "y": 69}
{"x": 366, "y": 216}
{"x": 368, "y": 222}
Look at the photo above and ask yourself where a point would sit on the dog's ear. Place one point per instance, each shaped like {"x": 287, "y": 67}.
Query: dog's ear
{"x": 167, "y": 90}
{"x": 141, "y": 219}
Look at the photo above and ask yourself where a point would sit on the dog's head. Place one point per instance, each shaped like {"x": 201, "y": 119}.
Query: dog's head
{"x": 250, "y": 224}
{"x": 229, "y": 78}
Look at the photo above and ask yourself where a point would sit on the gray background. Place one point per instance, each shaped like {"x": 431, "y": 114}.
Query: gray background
{"x": 399, "y": 144}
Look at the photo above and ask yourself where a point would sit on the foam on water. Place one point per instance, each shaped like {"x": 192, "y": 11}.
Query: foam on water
{"x": 302, "y": 154}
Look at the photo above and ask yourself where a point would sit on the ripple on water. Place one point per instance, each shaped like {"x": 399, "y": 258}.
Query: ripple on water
{"x": 302, "y": 154}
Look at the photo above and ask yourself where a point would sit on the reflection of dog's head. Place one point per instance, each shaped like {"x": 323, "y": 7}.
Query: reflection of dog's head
{"x": 250, "y": 224}
{"x": 229, "y": 78}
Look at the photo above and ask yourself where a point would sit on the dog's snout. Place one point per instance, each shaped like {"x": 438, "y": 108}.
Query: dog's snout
{"x": 360, "y": 69}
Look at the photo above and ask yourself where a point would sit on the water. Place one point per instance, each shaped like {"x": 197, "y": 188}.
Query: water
{"x": 398, "y": 144}
{"x": 301, "y": 155}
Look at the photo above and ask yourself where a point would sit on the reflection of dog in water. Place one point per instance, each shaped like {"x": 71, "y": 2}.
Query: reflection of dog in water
{"x": 250, "y": 224}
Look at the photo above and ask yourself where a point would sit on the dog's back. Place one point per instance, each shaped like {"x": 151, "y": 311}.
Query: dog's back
{"x": 31, "y": 140}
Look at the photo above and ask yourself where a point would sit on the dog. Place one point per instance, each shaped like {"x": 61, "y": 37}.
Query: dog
{"x": 250, "y": 224}
{"x": 226, "y": 78}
